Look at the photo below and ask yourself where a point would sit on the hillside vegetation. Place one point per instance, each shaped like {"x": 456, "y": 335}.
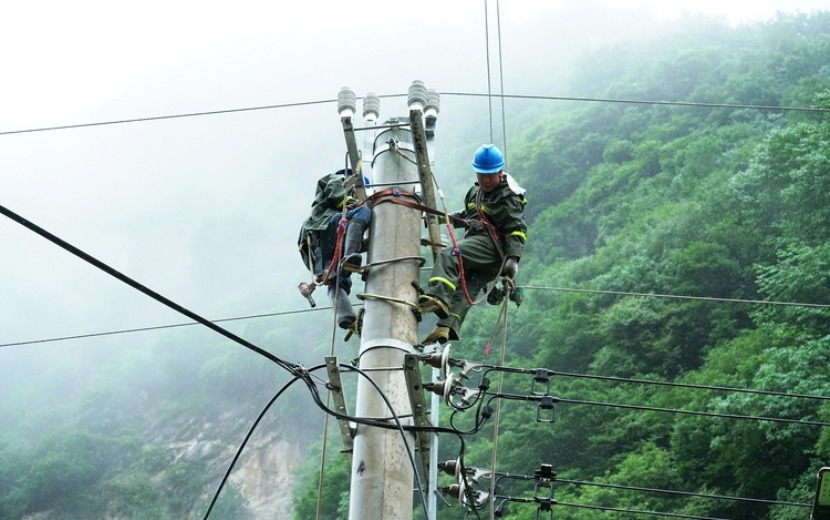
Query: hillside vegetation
{"x": 632, "y": 203}
{"x": 683, "y": 243}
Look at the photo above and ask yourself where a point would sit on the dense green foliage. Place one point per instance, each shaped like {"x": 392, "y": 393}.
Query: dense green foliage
{"x": 633, "y": 203}
{"x": 656, "y": 230}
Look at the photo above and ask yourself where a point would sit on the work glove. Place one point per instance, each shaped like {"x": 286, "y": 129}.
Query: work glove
{"x": 511, "y": 267}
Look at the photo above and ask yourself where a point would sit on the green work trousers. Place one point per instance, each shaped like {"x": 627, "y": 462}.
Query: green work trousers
{"x": 481, "y": 262}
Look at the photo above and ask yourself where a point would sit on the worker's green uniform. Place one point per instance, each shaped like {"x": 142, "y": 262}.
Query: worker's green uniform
{"x": 495, "y": 230}
{"x": 320, "y": 228}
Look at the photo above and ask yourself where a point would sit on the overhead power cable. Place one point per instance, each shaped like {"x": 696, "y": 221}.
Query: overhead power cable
{"x": 157, "y": 327}
{"x": 675, "y": 296}
{"x": 169, "y": 116}
{"x": 386, "y": 96}
{"x": 643, "y": 102}
{"x": 291, "y": 367}
{"x": 681, "y": 411}
{"x": 637, "y": 511}
{"x": 688, "y": 385}
{"x": 683, "y": 493}
{"x": 526, "y": 287}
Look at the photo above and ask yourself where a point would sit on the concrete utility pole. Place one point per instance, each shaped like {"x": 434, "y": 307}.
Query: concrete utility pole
{"x": 382, "y": 478}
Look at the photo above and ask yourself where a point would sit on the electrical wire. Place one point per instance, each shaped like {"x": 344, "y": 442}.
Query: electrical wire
{"x": 676, "y": 296}
{"x": 487, "y": 53}
{"x": 684, "y": 493}
{"x": 644, "y": 102}
{"x": 292, "y": 368}
{"x": 518, "y": 397}
{"x": 158, "y": 327}
{"x": 527, "y": 287}
{"x": 784, "y": 108}
{"x": 689, "y": 385}
{"x": 501, "y": 84}
{"x": 251, "y": 430}
{"x": 168, "y": 116}
{"x": 545, "y": 372}
{"x": 638, "y": 511}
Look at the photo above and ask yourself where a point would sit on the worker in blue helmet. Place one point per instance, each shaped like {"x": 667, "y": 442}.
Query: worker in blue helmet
{"x": 335, "y": 207}
{"x": 494, "y": 239}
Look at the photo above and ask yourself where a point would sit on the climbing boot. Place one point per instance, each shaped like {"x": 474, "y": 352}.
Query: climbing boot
{"x": 428, "y": 303}
{"x": 352, "y": 259}
{"x": 342, "y": 307}
{"x": 439, "y": 335}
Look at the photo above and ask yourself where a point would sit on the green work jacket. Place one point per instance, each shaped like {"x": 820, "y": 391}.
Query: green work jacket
{"x": 504, "y": 209}
{"x": 329, "y": 198}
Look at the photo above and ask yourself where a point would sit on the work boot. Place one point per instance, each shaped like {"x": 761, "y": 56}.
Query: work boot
{"x": 428, "y": 303}
{"x": 439, "y": 335}
{"x": 352, "y": 259}
{"x": 342, "y": 307}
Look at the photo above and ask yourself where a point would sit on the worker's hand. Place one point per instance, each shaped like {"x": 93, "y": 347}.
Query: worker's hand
{"x": 511, "y": 267}
{"x": 475, "y": 226}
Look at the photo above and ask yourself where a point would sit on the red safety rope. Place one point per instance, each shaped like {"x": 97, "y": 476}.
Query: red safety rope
{"x": 456, "y": 251}
{"x": 341, "y": 230}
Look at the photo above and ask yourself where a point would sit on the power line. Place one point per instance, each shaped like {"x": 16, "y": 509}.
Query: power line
{"x": 677, "y": 296}
{"x": 291, "y": 367}
{"x": 688, "y": 385}
{"x": 527, "y": 287}
{"x": 699, "y": 413}
{"x": 385, "y": 96}
{"x": 168, "y": 116}
{"x": 644, "y": 102}
{"x": 157, "y": 327}
{"x": 683, "y": 493}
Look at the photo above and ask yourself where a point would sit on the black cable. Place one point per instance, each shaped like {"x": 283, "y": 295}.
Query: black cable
{"x": 671, "y": 384}
{"x": 560, "y": 289}
{"x": 518, "y": 397}
{"x": 678, "y": 297}
{"x": 245, "y": 442}
{"x": 689, "y": 385}
{"x": 684, "y": 493}
{"x": 293, "y": 368}
{"x": 637, "y": 511}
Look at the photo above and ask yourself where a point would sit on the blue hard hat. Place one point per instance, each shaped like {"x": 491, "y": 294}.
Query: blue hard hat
{"x": 488, "y": 159}
{"x": 344, "y": 171}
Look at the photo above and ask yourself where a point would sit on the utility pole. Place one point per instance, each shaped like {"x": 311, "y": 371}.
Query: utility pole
{"x": 382, "y": 476}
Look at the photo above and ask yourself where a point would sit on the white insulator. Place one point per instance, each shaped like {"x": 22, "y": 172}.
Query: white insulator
{"x": 433, "y": 105}
{"x": 346, "y": 102}
{"x": 371, "y": 106}
{"x": 417, "y": 98}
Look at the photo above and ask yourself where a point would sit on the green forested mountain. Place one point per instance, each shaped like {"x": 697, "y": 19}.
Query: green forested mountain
{"x": 683, "y": 241}
{"x": 678, "y": 233}
{"x": 722, "y": 200}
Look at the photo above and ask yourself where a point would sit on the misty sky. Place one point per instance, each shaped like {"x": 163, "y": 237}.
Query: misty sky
{"x": 206, "y": 209}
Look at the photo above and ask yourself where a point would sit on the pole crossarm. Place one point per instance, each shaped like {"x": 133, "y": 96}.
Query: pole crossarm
{"x": 336, "y": 389}
{"x": 419, "y": 410}
{"x": 425, "y": 173}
